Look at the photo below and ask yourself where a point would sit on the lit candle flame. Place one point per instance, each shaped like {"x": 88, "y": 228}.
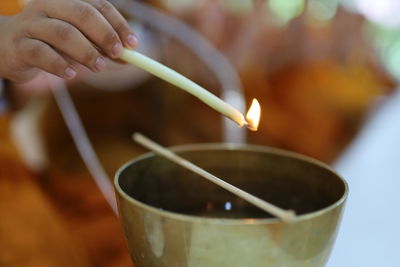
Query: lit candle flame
{"x": 253, "y": 115}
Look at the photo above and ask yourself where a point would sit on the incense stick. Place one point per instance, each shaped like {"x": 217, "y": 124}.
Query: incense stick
{"x": 285, "y": 215}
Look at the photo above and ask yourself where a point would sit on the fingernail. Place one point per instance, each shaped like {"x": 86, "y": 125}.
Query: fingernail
{"x": 117, "y": 50}
{"x": 132, "y": 41}
{"x": 69, "y": 73}
{"x": 100, "y": 64}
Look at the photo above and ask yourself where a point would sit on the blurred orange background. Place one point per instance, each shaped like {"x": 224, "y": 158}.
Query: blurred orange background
{"x": 314, "y": 69}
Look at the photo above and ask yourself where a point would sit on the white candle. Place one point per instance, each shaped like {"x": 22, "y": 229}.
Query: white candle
{"x": 173, "y": 77}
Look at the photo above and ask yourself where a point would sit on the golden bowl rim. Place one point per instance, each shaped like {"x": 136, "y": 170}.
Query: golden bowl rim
{"x": 230, "y": 221}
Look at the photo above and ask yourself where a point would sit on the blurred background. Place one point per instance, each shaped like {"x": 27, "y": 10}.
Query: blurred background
{"x": 324, "y": 71}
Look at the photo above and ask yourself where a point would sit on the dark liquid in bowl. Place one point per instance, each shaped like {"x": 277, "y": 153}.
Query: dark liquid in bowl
{"x": 233, "y": 213}
{"x": 288, "y": 183}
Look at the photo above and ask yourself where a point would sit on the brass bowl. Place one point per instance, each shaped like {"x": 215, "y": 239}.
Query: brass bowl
{"x": 173, "y": 218}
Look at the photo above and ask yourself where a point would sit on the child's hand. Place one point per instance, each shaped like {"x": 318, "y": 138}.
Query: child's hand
{"x": 57, "y": 35}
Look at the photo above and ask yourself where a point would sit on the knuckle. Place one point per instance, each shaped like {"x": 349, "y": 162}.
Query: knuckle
{"x": 15, "y": 64}
{"x": 63, "y": 31}
{"x": 89, "y": 57}
{"x": 36, "y": 50}
{"x": 110, "y": 39}
{"x": 121, "y": 26}
{"x": 37, "y": 2}
{"x": 104, "y": 7}
{"x": 84, "y": 11}
{"x": 57, "y": 65}
{"x": 36, "y": 6}
{"x": 29, "y": 32}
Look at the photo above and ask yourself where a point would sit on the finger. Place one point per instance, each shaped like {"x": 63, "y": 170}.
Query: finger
{"x": 68, "y": 40}
{"x": 79, "y": 68}
{"x": 117, "y": 21}
{"x": 89, "y": 21}
{"x": 40, "y": 55}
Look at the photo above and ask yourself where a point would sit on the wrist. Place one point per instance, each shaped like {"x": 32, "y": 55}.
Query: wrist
{"x": 3, "y": 27}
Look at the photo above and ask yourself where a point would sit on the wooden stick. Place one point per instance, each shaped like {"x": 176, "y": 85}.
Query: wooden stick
{"x": 285, "y": 215}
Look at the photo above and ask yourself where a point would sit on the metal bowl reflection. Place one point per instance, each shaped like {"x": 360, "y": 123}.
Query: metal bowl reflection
{"x": 172, "y": 217}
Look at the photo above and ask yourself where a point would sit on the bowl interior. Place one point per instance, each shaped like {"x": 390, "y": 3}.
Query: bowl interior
{"x": 284, "y": 179}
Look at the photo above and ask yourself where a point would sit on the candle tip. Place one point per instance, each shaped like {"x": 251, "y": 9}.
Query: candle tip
{"x": 253, "y": 116}
{"x": 251, "y": 127}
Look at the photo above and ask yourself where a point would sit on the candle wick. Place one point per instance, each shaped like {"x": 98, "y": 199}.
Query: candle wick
{"x": 250, "y": 125}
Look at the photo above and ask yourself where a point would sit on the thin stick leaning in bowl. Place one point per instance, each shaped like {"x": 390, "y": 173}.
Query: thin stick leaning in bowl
{"x": 287, "y": 216}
